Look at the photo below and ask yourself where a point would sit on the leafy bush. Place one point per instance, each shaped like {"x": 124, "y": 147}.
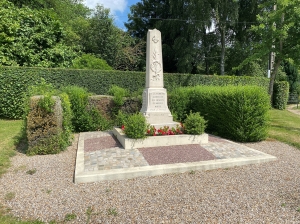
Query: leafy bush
{"x": 135, "y": 126}
{"x": 89, "y": 61}
{"x": 85, "y": 118}
{"x": 194, "y": 124}
{"x": 48, "y": 131}
{"x": 118, "y": 93}
{"x": 234, "y": 112}
{"x": 79, "y": 98}
{"x": 121, "y": 118}
{"x": 280, "y": 95}
{"x": 178, "y": 101}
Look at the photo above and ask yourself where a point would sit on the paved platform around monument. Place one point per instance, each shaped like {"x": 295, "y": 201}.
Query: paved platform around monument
{"x": 101, "y": 157}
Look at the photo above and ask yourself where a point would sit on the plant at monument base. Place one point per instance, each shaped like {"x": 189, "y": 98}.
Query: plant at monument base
{"x": 151, "y": 130}
{"x": 121, "y": 118}
{"x": 135, "y": 126}
{"x": 166, "y": 130}
{"x": 194, "y": 124}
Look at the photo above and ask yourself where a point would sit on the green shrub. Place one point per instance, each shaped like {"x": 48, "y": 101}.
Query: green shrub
{"x": 48, "y": 125}
{"x": 280, "y": 95}
{"x": 96, "y": 121}
{"x": 135, "y": 126}
{"x": 79, "y": 99}
{"x": 48, "y": 131}
{"x": 85, "y": 118}
{"x": 178, "y": 101}
{"x": 194, "y": 124}
{"x": 121, "y": 118}
{"x": 235, "y": 112}
{"x": 89, "y": 61}
{"x": 118, "y": 94}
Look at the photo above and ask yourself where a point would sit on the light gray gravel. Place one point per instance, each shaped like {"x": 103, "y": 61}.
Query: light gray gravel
{"x": 264, "y": 193}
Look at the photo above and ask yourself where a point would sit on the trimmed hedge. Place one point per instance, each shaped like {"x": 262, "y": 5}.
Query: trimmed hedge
{"x": 280, "y": 95}
{"x": 14, "y": 82}
{"x": 234, "y": 112}
{"x": 48, "y": 132}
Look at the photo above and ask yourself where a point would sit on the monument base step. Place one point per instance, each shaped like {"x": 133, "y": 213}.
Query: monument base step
{"x": 155, "y": 141}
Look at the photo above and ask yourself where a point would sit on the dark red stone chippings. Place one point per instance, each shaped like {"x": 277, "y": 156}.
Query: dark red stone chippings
{"x": 105, "y": 142}
{"x": 212, "y": 138}
{"x": 175, "y": 154}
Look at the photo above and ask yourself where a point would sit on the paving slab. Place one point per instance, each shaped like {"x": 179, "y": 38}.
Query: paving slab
{"x": 101, "y": 157}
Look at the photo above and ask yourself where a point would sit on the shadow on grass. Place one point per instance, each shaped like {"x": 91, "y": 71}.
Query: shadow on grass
{"x": 286, "y": 128}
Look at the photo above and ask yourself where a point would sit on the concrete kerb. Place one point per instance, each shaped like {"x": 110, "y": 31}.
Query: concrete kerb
{"x": 127, "y": 173}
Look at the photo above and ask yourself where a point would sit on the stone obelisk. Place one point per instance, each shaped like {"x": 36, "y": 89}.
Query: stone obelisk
{"x": 155, "y": 107}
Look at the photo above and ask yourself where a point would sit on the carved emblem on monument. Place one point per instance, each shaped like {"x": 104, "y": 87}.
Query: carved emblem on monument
{"x": 155, "y": 67}
{"x": 155, "y": 40}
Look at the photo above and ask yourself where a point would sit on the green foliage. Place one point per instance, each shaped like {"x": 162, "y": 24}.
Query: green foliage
{"x": 44, "y": 131}
{"x": 89, "y": 61}
{"x": 135, "y": 126}
{"x": 14, "y": 82}
{"x": 44, "y": 89}
{"x": 84, "y": 118}
{"x": 194, "y": 124}
{"x": 235, "y": 112}
{"x": 32, "y": 38}
{"x": 276, "y": 30}
{"x": 281, "y": 94}
{"x": 43, "y": 137}
{"x": 293, "y": 76}
{"x": 179, "y": 101}
{"x": 121, "y": 118}
{"x": 119, "y": 93}
{"x": 79, "y": 98}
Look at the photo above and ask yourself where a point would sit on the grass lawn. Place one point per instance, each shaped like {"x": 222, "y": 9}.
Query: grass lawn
{"x": 285, "y": 127}
{"x": 9, "y": 131}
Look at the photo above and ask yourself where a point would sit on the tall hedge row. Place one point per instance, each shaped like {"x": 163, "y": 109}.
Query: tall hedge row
{"x": 280, "y": 95}
{"x": 235, "y": 112}
{"x": 14, "y": 82}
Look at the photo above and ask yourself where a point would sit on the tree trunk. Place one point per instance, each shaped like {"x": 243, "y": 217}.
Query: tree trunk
{"x": 272, "y": 79}
{"x": 205, "y": 46}
{"x": 222, "y": 62}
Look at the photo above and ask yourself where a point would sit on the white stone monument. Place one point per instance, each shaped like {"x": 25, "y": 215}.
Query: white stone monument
{"x": 155, "y": 107}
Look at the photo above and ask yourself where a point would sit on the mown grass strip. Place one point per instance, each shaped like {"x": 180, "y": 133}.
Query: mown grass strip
{"x": 285, "y": 127}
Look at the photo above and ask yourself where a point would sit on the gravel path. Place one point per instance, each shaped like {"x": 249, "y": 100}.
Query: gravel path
{"x": 295, "y": 111}
{"x": 264, "y": 193}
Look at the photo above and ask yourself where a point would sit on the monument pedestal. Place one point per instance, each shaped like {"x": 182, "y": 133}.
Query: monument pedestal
{"x": 155, "y": 108}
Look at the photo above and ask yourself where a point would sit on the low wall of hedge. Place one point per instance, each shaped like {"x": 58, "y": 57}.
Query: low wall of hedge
{"x": 14, "y": 82}
{"x": 239, "y": 113}
{"x": 280, "y": 95}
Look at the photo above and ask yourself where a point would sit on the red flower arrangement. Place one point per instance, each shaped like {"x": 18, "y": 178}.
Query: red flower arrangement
{"x": 152, "y": 131}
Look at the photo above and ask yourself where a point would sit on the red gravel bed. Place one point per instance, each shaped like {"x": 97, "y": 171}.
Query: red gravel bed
{"x": 212, "y": 138}
{"x": 176, "y": 154}
{"x": 105, "y": 142}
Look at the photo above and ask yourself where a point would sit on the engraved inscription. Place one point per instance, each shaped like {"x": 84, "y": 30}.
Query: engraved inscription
{"x": 157, "y": 101}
